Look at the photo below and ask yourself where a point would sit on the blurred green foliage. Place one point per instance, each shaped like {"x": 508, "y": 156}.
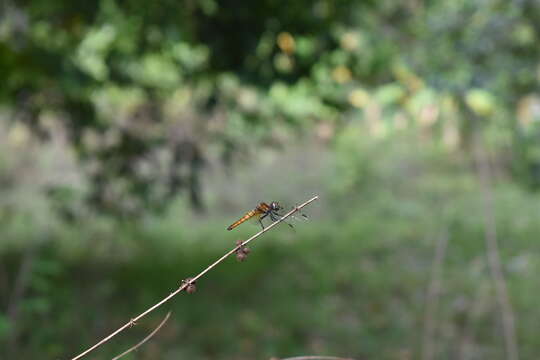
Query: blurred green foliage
{"x": 351, "y": 282}
{"x": 144, "y": 90}
{"x": 111, "y": 111}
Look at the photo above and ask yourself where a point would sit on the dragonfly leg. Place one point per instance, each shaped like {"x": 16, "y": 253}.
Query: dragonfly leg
{"x": 261, "y": 218}
{"x": 304, "y": 216}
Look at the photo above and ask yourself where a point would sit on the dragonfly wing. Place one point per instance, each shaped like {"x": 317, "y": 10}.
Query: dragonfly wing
{"x": 257, "y": 219}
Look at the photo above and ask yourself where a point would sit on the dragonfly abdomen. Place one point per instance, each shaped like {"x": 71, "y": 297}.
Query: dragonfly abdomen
{"x": 246, "y": 217}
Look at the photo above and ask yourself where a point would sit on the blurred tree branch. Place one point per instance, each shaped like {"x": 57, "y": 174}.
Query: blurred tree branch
{"x": 432, "y": 298}
{"x": 481, "y": 160}
{"x": 478, "y": 307}
{"x": 314, "y": 357}
{"x": 20, "y": 286}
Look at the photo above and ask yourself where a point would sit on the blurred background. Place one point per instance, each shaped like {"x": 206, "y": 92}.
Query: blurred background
{"x": 132, "y": 133}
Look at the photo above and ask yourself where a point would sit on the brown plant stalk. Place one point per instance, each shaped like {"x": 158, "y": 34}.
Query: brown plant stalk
{"x": 145, "y": 339}
{"x": 315, "y": 357}
{"x": 495, "y": 265}
{"x": 432, "y": 298}
{"x": 189, "y": 283}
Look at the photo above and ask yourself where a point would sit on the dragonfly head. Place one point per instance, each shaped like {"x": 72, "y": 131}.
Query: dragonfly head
{"x": 275, "y": 206}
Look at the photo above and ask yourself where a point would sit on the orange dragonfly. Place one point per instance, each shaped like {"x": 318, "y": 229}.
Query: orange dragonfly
{"x": 260, "y": 212}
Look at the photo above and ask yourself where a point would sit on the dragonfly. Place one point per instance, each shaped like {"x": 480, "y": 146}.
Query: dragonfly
{"x": 262, "y": 211}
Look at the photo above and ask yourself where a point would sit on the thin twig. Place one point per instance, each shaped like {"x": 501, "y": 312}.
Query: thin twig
{"x": 185, "y": 284}
{"x": 315, "y": 357}
{"x": 145, "y": 339}
{"x": 478, "y": 307}
{"x": 20, "y": 287}
{"x": 492, "y": 250}
{"x": 432, "y": 298}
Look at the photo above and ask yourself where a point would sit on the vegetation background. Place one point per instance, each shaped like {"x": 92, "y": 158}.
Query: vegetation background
{"x": 132, "y": 133}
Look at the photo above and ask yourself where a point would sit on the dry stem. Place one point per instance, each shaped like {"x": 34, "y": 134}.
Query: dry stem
{"x": 185, "y": 284}
{"x": 315, "y": 357}
{"x": 432, "y": 298}
{"x": 492, "y": 250}
{"x": 145, "y": 339}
